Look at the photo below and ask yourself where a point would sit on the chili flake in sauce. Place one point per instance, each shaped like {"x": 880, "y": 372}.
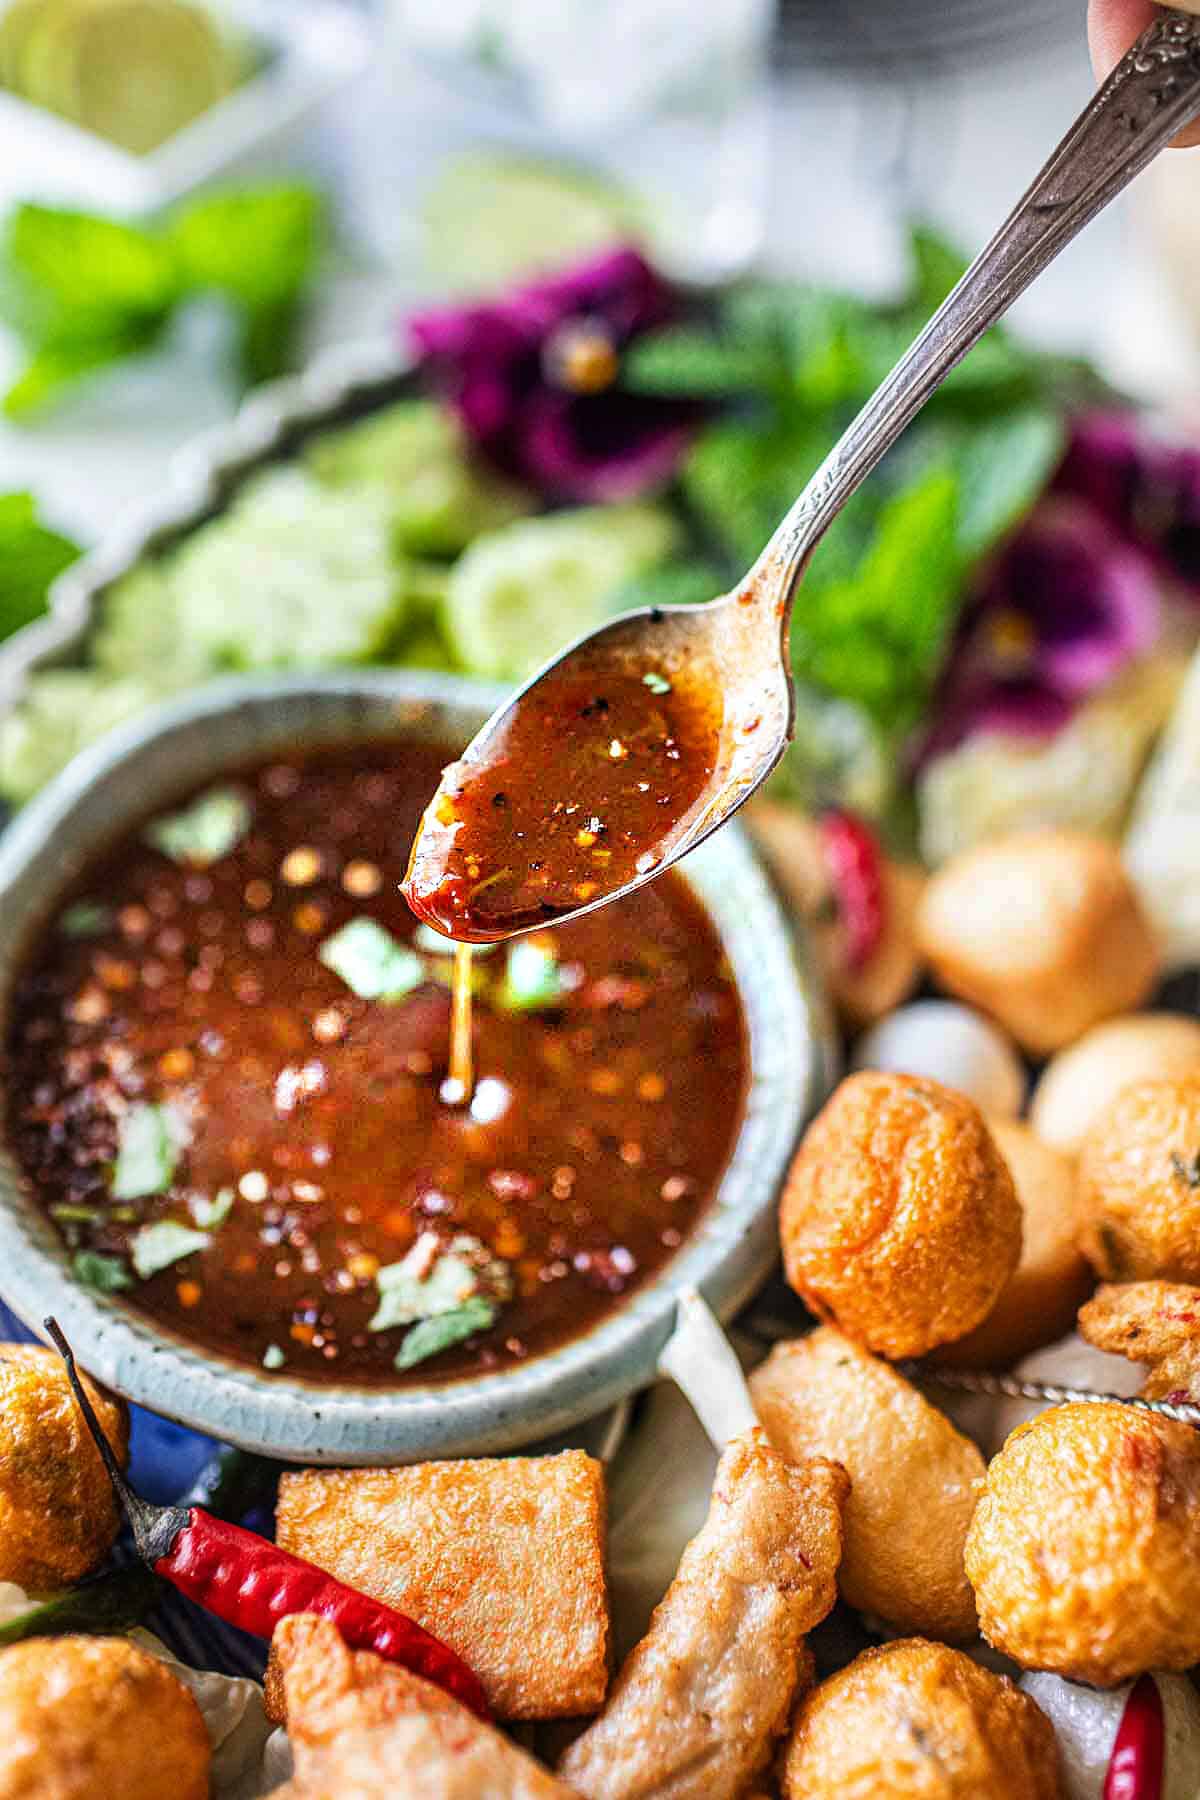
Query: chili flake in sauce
{"x": 308, "y": 1150}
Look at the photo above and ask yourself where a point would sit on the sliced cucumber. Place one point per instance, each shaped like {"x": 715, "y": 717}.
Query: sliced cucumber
{"x": 489, "y": 219}
{"x": 518, "y": 595}
{"x": 441, "y": 497}
{"x": 295, "y": 576}
{"x": 140, "y": 631}
{"x": 61, "y": 711}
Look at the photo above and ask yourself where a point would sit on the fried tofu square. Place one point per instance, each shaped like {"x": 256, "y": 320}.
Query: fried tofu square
{"x": 363, "y": 1729}
{"x": 695, "y": 1710}
{"x": 502, "y": 1558}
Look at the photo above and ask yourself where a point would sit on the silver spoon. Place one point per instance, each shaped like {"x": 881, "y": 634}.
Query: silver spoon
{"x": 738, "y": 645}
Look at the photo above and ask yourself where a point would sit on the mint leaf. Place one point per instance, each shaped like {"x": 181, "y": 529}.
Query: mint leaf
{"x": 157, "y": 1246}
{"x": 1003, "y": 465}
{"x": 938, "y": 266}
{"x": 107, "y": 1274}
{"x": 255, "y": 245}
{"x": 149, "y": 1141}
{"x": 205, "y": 831}
{"x": 207, "y": 1213}
{"x": 31, "y": 555}
{"x": 94, "y": 273}
{"x": 533, "y": 979}
{"x": 432, "y": 1336}
{"x": 371, "y": 962}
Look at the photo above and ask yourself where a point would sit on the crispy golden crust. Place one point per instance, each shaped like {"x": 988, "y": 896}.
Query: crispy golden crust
{"x": 1140, "y": 1185}
{"x": 1042, "y": 929}
{"x": 58, "y": 1519}
{"x": 1084, "y": 1551}
{"x": 93, "y": 1718}
{"x": 501, "y": 1558}
{"x": 363, "y": 1729}
{"x": 1077, "y": 1088}
{"x": 918, "y": 1721}
{"x": 1053, "y": 1277}
{"x": 1153, "y": 1322}
{"x": 912, "y": 1477}
{"x": 696, "y": 1708}
{"x": 899, "y": 1219}
{"x": 792, "y": 845}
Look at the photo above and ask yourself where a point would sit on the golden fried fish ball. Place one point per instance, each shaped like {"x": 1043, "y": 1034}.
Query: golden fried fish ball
{"x": 1052, "y": 1278}
{"x": 912, "y": 1477}
{"x": 85, "y": 1718}
{"x": 1151, "y": 1322}
{"x": 899, "y": 1220}
{"x": 919, "y": 1721}
{"x": 1084, "y": 1551}
{"x": 1042, "y": 929}
{"x": 58, "y": 1519}
{"x": 1140, "y": 1184}
{"x": 1077, "y": 1087}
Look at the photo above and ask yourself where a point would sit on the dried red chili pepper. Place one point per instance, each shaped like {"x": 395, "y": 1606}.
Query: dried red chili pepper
{"x": 1135, "y": 1768}
{"x": 249, "y": 1582}
{"x": 855, "y": 865}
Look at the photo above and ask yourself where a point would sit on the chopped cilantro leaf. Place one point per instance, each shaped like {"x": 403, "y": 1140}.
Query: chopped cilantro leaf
{"x": 434, "y": 1335}
{"x": 371, "y": 962}
{"x": 206, "y": 830}
{"x": 107, "y": 1274}
{"x": 157, "y": 1246}
{"x": 149, "y": 1140}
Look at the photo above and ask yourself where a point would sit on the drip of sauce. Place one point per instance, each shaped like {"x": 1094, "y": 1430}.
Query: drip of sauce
{"x": 460, "y": 1079}
{"x": 1135, "y": 1768}
{"x": 599, "y": 769}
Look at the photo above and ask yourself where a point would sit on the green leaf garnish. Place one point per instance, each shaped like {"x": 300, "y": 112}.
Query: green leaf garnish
{"x": 273, "y": 1357}
{"x": 31, "y": 555}
{"x": 107, "y": 1274}
{"x": 658, "y": 684}
{"x": 533, "y": 979}
{"x": 83, "y": 291}
{"x": 371, "y": 962}
{"x": 206, "y": 830}
{"x": 157, "y": 1246}
{"x": 149, "y": 1141}
{"x": 434, "y": 1335}
{"x": 207, "y": 1213}
{"x": 431, "y": 1280}
{"x": 87, "y": 918}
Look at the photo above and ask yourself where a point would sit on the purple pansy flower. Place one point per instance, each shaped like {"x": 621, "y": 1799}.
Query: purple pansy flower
{"x": 1147, "y": 486}
{"x": 533, "y": 375}
{"x": 1062, "y": 610}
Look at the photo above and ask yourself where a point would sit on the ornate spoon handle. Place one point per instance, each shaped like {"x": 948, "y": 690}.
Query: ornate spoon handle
{"x": 1151, "y": 94}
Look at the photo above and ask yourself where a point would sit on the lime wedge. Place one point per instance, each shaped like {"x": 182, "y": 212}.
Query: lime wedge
{"x": 491, "y": 219}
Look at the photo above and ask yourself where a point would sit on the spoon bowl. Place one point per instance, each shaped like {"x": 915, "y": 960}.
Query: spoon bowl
{"x": 532, "y": 825}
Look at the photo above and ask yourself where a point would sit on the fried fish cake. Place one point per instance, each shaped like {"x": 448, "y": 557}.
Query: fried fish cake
{"x": 501, "y": 1557}
{"x": 1077, "y": 1087}
{"x": 363, "y": 1729}
{"x": 1053, "y": 1277}
{"x": 918, "y": 1721}
{"x": 1042, "y": 929}
{"x": 85, "y": 1718}
{"x": 912, "y": 1477}
{"x": 58, "y": 1519}
{"x": 1140, "y": 1184}
{"x": 899, "y": 1220}
{"x": 699, "y": 1702}
{"x": 1084, "y": 1551}
{"x": 1152, "y": 1322}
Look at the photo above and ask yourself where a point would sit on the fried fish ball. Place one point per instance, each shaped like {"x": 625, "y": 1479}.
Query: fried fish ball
{"x": 84, "y": 1717}
{"x": 58, "y": 1519}
{"x": 363, "y": 1729}
{"x": 1052, "y": 1278}
{"x": 1152, "y": 1322}
{"x": 1077, "y": 1087}
{"x": 1140, "y": 1185}
{"x": 912, "y": 1477}
{"x": 918, "y": 1721}
{"x": 899, "y": 1220}
{"x": 696, "y": 1708}
{"x": 1084, "y": 1551}
{"x": 1042, "y": 929}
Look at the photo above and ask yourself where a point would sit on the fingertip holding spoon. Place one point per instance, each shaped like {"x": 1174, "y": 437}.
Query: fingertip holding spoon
{"x": 640, "y": 739}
